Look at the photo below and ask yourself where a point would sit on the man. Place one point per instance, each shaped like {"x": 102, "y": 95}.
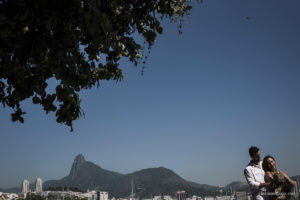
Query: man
{"x": 255, "y": 175}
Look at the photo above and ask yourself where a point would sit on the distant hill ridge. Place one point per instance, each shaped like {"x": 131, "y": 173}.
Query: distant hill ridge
{"x": 153, "y": 181}
{"x": 238, "y": 186}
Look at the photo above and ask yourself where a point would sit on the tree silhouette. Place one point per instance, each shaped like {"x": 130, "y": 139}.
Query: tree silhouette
{"x": 77, "y": 42}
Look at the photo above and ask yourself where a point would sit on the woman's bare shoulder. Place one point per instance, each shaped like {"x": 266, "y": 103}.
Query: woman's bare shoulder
{"x": 282, "y": 172}
{"x": 269, "y": 175}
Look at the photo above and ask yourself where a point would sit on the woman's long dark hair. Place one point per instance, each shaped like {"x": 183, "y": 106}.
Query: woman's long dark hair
{"x": 265, "y": 163}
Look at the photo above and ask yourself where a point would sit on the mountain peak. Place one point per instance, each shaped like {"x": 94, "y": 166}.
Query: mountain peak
{"x": 78, "y": 161}
{"x": 160, "y": 180}
{"x": 79, "y": 158}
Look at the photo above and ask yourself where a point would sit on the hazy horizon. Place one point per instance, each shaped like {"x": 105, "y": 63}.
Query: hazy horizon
{"x": 33, "y": 180}
{"x": 206, "y": 96}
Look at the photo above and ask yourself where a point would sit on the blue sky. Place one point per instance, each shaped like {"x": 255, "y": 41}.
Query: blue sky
{"x": 227, "y": 83}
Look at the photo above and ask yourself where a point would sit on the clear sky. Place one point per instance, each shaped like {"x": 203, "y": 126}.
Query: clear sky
{"x": 227, "y": 83}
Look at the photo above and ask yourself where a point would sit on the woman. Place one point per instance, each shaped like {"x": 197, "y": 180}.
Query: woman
{"x": 281, "y": 185}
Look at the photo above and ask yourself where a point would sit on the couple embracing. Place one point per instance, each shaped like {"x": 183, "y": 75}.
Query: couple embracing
{"x": 265, "y": 180}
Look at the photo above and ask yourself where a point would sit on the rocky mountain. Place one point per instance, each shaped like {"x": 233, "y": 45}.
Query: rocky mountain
{"x": 86, "y": 175}
{"x": 79, "y": 160}
{"x": 157, "y": 181}
{"x": 153, "y": 181}
{"x": 205, "y": 186}
{"x": 238, "y": 186}
{"x": 11, "y": 190}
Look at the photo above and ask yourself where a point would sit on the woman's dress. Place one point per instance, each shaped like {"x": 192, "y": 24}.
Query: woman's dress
{"x": 279, "y": 188}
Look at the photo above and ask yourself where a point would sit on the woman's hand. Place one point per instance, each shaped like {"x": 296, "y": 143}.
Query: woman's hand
{"x": 268, "y": 177}
{"x": 269, "y": 180}
{"x": 288, "y": 179}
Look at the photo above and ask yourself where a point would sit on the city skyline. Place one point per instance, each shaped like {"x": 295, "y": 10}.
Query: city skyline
{"x": 206, "y": 96}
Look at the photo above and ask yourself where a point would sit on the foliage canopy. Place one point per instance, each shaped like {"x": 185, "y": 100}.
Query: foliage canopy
{"x": 77, "y": 42}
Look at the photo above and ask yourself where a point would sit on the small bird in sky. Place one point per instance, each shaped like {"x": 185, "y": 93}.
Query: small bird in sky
{"x": 248, "y": 18}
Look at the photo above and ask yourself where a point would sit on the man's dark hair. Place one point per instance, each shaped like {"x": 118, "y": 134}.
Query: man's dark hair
{"x": 253, "y": 150}
{"x": 265, "y": 163}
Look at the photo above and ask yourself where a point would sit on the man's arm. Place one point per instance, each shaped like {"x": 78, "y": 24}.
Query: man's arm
{"x": 251, "y": 181}
{"x": 262, "y": 185}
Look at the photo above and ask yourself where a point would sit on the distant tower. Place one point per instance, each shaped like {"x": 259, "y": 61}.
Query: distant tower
{"x": 25, "y": 186}
{"x": 132, "y": 194}
{"x": 38, "y": 185}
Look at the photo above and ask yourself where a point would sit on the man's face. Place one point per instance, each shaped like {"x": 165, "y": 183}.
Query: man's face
{"x": 256, "y": 157}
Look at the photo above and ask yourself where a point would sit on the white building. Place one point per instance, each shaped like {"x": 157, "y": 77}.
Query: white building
{"x": 167, "y": 197}
{"x": 157, "y": 198}
{"x": 25, "y": 186}
{"x": 38, "y": 185}
{"x": 223, "y": 198}
{"x": 194, "y": 197}
{"x": 102, "y": 195}
{"x": 209, "y": 198}
{"x": 8, "y": 196}
{"x": 55, "y": 195}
